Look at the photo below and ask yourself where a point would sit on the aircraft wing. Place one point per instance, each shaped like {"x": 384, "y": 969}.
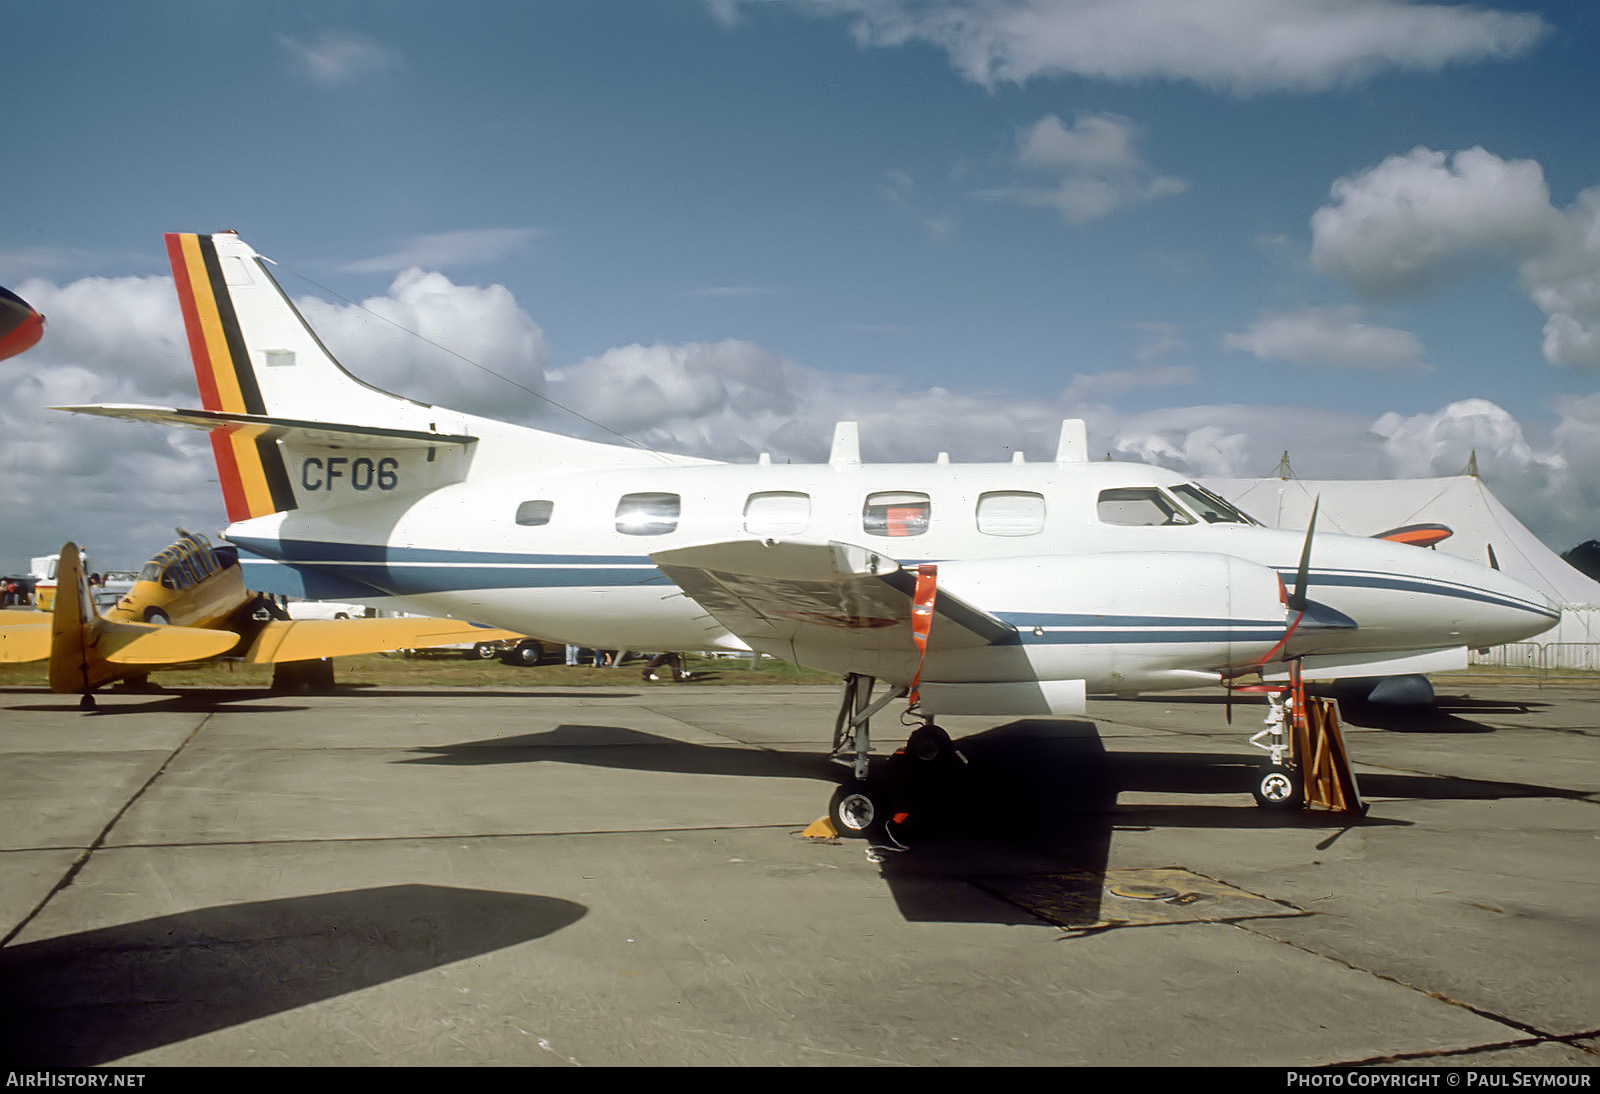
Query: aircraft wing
{"x": 310, "y": 639}
{"x": 772, "y": 591}
{"x": 24, "y": 636}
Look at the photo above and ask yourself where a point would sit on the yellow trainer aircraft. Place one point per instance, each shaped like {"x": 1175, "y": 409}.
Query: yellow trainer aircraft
{"x": 189, "y": 605}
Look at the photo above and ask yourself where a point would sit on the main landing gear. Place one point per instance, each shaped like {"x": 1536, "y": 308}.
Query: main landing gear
{"x": 877, "y": 805}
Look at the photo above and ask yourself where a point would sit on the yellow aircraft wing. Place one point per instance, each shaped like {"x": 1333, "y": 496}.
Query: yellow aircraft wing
{"x": 24, "y": 636}
{"x": 310, "y": 639}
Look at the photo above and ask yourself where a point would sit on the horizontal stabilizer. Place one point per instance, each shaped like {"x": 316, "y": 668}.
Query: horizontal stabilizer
{"x": 28, "y": 639}
{"x": 265, "y": 427}
{"x": 311, "y": 639}
{"x": 152, "y": 644}
{"x": 830, "y": 593}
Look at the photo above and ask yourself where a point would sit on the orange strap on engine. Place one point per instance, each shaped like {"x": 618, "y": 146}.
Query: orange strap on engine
{"x": 922, "y": 618}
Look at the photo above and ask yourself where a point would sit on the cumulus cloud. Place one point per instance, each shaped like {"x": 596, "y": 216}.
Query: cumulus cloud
{"x": 1331, "y": 338}
{"x": 338, "y": 59}
{"x": 473, "y": 340}
{"x": 1564, "y": 281}
{"x": 116, "y": 488}
{"x": 1242, "y": 46}
{"x": 1090, "y": 168}
{"x": 1418, "y": 221}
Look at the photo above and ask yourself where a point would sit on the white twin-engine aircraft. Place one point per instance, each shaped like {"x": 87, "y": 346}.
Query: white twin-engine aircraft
{"x": 997, "y": 589}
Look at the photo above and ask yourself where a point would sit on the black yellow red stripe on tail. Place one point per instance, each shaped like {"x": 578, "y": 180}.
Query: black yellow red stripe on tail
{"x": 250, "y": 465}
{"x": 293, "y": 430}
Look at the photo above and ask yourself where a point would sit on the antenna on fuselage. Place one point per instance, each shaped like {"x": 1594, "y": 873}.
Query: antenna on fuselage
{"x": 846, "y": 445}
{"x": 1073, "y": 446}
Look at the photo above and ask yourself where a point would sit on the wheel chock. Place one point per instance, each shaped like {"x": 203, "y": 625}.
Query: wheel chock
{"x": 821, "y": 828}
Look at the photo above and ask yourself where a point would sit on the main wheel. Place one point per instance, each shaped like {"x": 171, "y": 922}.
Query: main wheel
{"x": 927, "y": 743}
{"x": 1278, "y": 787}
{"x": 525, "y": 654}
{"x": 857, "y": 810}
{"x": 484, "y": 651}
{"x": 157, "y": 616}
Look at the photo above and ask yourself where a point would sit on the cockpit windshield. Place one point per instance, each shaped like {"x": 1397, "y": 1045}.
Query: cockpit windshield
{"x": 1212, "y": 509}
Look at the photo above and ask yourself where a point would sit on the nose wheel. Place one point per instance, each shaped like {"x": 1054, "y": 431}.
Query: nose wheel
{"x": 1278, "y": 787}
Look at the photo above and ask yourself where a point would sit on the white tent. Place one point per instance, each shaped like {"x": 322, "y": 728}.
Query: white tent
{"x": 1478, "y": 523}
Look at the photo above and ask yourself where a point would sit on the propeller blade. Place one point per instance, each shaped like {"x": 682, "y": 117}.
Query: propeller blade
{"x": 1297, "y": 599}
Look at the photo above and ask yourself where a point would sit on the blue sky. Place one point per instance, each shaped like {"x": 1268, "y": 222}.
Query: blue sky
{"x": 1357, "y": 230}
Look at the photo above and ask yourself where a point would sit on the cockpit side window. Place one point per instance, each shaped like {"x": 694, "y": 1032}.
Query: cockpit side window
{"x": 1211, "y": 507}
{"x": 1139, "y": 507}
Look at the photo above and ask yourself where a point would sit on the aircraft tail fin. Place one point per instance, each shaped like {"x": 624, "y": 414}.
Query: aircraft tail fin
{"x": 72, "y": 620}
{"x": 255, "y": 357}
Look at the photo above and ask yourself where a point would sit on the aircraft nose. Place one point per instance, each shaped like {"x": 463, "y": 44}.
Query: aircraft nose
{"x": 1406, "y": 597}
{"x": 1483, "y": 607}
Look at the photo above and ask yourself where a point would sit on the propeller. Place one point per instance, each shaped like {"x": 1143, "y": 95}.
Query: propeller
{"x": 1295, "y": 601}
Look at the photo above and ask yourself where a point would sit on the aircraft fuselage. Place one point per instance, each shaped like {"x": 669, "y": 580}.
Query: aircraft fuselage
{"x": 1093, "y": 593}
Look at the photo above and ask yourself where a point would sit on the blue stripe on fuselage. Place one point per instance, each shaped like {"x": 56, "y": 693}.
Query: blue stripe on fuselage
{"x": 402, "y": 571}
{"x": 1370, "y": 579}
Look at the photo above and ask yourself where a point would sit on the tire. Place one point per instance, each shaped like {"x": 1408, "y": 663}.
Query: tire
{"x": 857, "y": 811}
{"x": 484, "y": 651}
{"x": 157, "y": 616}
{"x": 928, "y": 743}
{"x": 524, "y": 654}
{"x": 1278, "y": 787}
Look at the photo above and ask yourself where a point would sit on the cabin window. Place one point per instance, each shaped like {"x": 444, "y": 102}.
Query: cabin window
{"x": 534, "y": 514}
{"x": 1011, "y": 513}
{"x": 1212, "y": 509}
{"x": 648, "y": 514}
{"x": 1139, "y": 507}
{"x": 777, "y": 513}
{"x": 896, "y": 513}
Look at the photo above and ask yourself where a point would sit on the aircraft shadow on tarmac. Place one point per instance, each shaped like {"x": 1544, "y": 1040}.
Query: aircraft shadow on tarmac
{"x": 629, "y": 750}
{"x": 1032, "y": 795}
{"x": 1041, "y": 797}
{"x": 203, "y": 700}
{"x": 87, "y": 998}
{"x": 1447, "y": 714}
